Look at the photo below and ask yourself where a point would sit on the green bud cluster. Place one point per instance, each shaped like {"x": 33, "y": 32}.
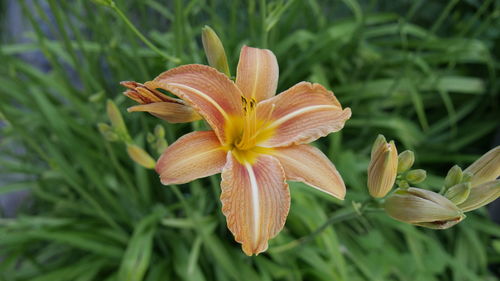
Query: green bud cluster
{"x": 157, "y": 139}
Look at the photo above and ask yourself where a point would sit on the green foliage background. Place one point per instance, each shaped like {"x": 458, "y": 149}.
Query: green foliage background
{"x": 423, "y": 73}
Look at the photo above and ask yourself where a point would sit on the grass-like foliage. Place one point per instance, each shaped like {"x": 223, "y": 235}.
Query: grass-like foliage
{"x": 423, "y": 73}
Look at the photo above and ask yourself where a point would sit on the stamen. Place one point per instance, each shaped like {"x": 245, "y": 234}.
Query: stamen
{"x": 248, "y": 137}
{"x": 244, "y": 104}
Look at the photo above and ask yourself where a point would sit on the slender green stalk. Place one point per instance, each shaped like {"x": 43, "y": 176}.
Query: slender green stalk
{"x": 341, "y": 216}
{"x": 146, "y": 41}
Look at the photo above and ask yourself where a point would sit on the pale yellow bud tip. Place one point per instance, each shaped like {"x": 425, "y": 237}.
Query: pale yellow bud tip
{"x": 115, "y": 117}
{"x": 486, "y": 168}
{"x": 458, "y": 193}
{"x": 140, "y": 156}
{"x": 214, "y": 50}
{"x": 454, "y": 177}
{"x": 405, "y": 160}
{"x": 481, "y": 195}
{"x": 416, "y": 176}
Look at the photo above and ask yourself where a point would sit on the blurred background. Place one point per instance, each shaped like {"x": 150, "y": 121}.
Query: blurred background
{"x": 74, "y": 206}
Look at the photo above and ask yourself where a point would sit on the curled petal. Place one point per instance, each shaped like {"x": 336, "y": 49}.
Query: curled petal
{"x": 146, "y": 93}
{"x": 214, "y": 96}
{"x": 169, "y": 111}
{"x": 302, "y": 114}
{"x": 309, "y": 165}
{"x": 255, "y": 200}
{"x": 257, "y": 74}
{"x": 195, "y": 155}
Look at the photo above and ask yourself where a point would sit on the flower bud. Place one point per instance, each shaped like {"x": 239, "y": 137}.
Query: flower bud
{"x": 107, "y": 132}
{"x": 405, "y": 160}
{"x": 423, "y": 208}
{"x": 416, "y": 176}
{"x": 161, "y": 145}
{"x": 214, "y": 50}
{"x": 402, "y": 184}
{"x": 140, "y": 156}
{"x": 383, "y": 167}
{"x": 486, "y": 168}
{"x": 150, "y": 138}
{"x": 453, "y": 177}
{"x": 458, "y": 193}
{"x": 116, "y": 118}
{"x": 467, "y": 176}
{"x": 481, "y": 195}
{"x": 159, "y": 131}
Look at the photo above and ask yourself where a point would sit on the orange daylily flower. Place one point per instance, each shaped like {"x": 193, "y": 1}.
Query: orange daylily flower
{"x": 258, "y": 141}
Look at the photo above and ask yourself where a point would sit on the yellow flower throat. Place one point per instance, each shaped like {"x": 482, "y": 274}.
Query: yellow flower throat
{"x": 245, "y": 133}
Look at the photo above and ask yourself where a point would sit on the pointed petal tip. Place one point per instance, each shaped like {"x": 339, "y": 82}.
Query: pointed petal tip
{"x": 348, "y": 112}
{"x": 129, "y": 84}
{"x": 340, "y": 194}
{"x": 255, "y": 250}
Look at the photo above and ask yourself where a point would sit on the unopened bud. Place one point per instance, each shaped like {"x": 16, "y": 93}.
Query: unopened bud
{"x": 116, "y": 118}
{"x": 159, "y": 131}
{"x": 383, "y": 167}
{"x": 423, "y": 208}
{"x": 150, "y": 137}
{"x": 107, "y": 132}
{"x": 416, "y": 176}
{"x": 214, "y": 50}
{"x": 458, "y": 193}
{"x": 103, "y": 128}
{"x": 405, "y": 160}
{"x": 486, "y": 168}
{"x": 481, "y": 195}
{"x": 467, "y": 176}
{"x": 403, "y": 184}
{"x": 140, "y": 156}
{"x": 453, "y": 177}
{"x": 161, "y": 145}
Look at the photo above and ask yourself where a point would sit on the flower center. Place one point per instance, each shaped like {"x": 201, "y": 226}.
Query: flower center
{"x": 246, "y": 132}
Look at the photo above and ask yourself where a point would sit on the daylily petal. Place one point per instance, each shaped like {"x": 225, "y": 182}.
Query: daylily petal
{"x": 302, "y": 114}
{"x": 195, "y": 155}
{"x": 255, "y": 200}
{"x": 146, "y": 93}
{"x": 214, "y": 96}
{"x": 169, "y": 111}
{"x": 307, "y": 164}
{"x": 257, "y": 74}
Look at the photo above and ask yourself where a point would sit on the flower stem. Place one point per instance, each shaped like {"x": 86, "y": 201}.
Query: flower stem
{"x": 352, "y": 213}
{"x": 141, "y": 36}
